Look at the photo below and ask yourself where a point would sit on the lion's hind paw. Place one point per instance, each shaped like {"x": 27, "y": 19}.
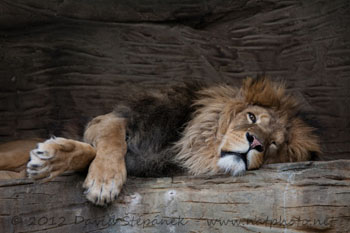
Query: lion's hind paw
{"x": 46, "y": 161}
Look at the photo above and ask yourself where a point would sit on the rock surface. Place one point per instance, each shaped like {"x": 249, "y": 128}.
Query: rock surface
{"x": 295, "y": 197}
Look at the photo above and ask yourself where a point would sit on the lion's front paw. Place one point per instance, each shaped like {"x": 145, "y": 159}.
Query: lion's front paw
{"x": 48, "y": 159}
{"x": 104, "y": 181}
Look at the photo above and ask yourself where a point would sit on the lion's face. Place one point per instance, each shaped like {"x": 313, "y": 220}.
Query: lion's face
{"x": 252, "y": 134}
{"x": 234, "y": 130}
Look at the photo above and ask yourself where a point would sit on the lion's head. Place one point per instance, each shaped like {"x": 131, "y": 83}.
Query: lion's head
{"x": 234, "y": 130}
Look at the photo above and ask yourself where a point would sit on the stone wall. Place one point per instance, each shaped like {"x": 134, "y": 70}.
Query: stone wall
{"x": 63, "y": 60}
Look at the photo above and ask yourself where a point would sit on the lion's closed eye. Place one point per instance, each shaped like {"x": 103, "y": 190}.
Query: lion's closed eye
{"x": 273, "y": 147}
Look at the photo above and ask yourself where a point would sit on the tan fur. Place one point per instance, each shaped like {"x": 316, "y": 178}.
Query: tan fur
{"x": 14, "y": 157}
{"x": 15, "y": 154}
{"x": 107, "y": 172}
{"x": 105, "y": 159}
{"x": 220, "y": 122}
{"x": 62, "y": 155}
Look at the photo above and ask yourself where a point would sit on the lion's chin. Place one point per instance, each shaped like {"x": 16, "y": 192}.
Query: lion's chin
{"x": 233, "y": 164}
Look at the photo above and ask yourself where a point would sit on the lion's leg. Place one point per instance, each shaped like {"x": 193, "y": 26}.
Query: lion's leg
{"x": 57, "y": 155}
{"x": 13, "y": 157}
{"x": 107, "y": 173}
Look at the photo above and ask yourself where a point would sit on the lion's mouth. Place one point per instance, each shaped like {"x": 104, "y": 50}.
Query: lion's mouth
{"x": 239, "y": 159}
{"x": 259, "y": 148}
{"x": 237, "y": 155}
{"x": 240, "y": 155}
{"x": 243, "y": 156}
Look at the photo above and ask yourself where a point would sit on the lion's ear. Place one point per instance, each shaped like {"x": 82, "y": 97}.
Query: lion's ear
{"x": 303, "y": 144}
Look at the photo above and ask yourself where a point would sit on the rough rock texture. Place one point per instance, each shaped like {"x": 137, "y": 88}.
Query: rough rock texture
{"x": 295, "y": 197}
{"x": 63, "y": 60}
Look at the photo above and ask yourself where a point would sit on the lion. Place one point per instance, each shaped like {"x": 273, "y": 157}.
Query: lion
{"x": 201, "y": 130}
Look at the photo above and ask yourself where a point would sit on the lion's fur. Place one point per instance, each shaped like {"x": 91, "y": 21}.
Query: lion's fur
{"x": 205, "y": 130}
{"x": 154, "y": 124}
{"x": 198, "y": 149}
{"x": 186, "y": 125}
{"x": 191, "y": 125}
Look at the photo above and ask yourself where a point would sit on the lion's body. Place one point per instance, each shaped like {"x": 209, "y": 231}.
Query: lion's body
{"x": 202, "y": 130}
{"x": 154, "y": 124}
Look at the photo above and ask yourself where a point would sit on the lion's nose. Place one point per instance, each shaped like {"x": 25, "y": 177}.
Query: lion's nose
{"x": 254, "y": 143}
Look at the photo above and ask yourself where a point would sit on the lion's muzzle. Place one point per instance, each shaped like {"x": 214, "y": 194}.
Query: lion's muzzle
{"x": 233, "y": 162}
{"x": 241, "y": 158}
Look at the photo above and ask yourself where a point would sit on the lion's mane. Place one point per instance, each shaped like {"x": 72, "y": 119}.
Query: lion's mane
{"x": 216, "y": 106}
